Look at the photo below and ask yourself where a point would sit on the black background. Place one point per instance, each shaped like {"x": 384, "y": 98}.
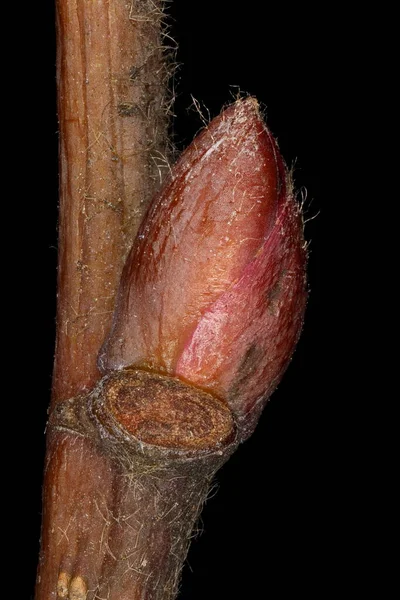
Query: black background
{"x": 269, "y": 529}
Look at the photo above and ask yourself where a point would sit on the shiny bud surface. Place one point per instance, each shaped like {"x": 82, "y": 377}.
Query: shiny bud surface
{"x": 213, "y": 290}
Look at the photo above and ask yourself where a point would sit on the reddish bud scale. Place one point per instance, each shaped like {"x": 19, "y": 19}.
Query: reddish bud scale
{"x": 213, "y": 290}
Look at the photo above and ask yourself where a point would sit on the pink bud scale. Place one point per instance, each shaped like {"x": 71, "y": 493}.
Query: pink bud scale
{"x": 213, "y": 290}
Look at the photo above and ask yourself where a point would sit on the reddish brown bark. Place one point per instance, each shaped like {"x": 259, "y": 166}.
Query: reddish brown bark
{"x": 111, "y": 95}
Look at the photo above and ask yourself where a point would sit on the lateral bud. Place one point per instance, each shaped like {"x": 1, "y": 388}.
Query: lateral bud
{"x": 214, "y": 288}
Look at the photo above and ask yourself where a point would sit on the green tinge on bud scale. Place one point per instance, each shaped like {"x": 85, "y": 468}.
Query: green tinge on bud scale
{"x": 213, "y": 290}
